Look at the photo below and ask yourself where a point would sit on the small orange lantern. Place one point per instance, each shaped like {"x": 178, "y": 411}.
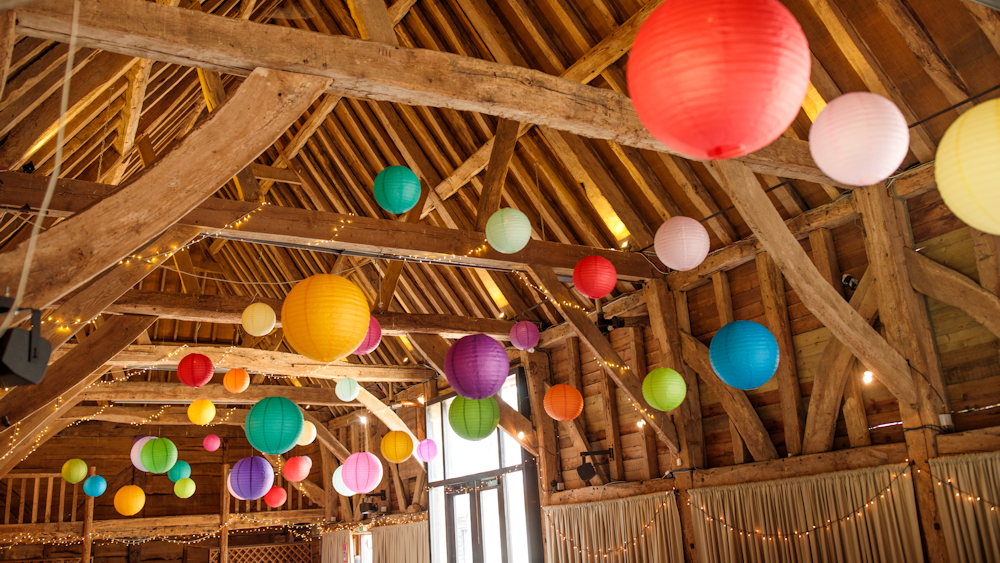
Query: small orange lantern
{"x": 563, "y": 403}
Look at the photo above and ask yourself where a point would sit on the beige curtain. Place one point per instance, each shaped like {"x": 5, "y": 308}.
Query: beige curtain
{"x": 336, "y": 547}
{"x": 405, "y": 543}
{"x": 644, "y": 529}
{"x": 886, "y": 532}
{"x": 972, "y": 528}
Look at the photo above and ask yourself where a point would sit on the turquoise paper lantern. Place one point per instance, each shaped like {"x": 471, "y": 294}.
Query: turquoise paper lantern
{"x": 94, "y": 486}
{"x": 474, "y": 419}
{"x": 180, "y": 470}
{"x": 158, "y": 455}
{"x": 508, "y": 230}
{"x": 664, "y": 389}
{"x": 274, "y": 425}
{"x": 397, "y": 189}
{"x": 744, "y": 354}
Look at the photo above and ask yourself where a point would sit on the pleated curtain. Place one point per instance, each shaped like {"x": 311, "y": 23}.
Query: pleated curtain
{"x": 887, "y": 531}
{"x": 405, "y": 543}
{"x": 336, "y": 547}
{"x": 643, "y": 529}
{"x": 972, "y": 528}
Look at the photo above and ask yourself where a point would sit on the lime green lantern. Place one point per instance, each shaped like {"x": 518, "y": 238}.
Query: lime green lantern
{"x": 74, "y": 470}
{"x": 158, "y": 455}
{"x": 184, "y": 488}
{"x": 508, "y": 230}
{"x": 664, "y": 389}
{"x": 474, "y": 419}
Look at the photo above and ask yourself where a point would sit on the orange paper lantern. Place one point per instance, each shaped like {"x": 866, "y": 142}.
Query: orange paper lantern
{"x": 325, "y": 317}
{"x": 563, "y": 403}
{"x": 236, "y": 380}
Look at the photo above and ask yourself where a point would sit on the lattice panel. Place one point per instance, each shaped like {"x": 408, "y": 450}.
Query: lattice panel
{"x": 271, "y": 553}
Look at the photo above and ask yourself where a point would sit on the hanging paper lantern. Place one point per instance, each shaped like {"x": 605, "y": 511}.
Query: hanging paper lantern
{"x": 397, "y": 446}
{"x": 275, "y": 497}
{"x": 274, "y": 425}
{"x": 180, "y": 470}
{"x": 427, "y": 450}
{"x": 258, "y": 319}
{"x": 362, "y": 472}
{"x": 967, "y": 169}
{"x": 325, "y": 317}
{"x": 195, "y": 370}
{"x": 129, "y": 500}
{"x": 201, "y": 412}
{"x": 664, "y": 389}
{"x": 136, "y": 453}
{"x": 594, "y": 277}
{"x": 159, "y": 455}
{"x": 252, "y": 477}
{"x": 397, "y": 189}
{"x": 859, "y": 139}
{"x": 508, "y": 230}
{"x": 339, "y": 485}
{"x": 563, "y": 402}
{"x": 524, "y": 335}
{"x": 744, "y": 354}
{"x": 474, "y": 419}
{"x": 681, "y": 243}
{"x": 236, "y": 380}
{"x": 184, "y": 488}
{"x": 137, "y": 438}
{"x": 347, "y": 389}
{"x": 211, "y": 442}
{"x": 308, "y": 434}
{"x": 74, "y": 470}
{"x": 476, "y": 366}
{"x": 229, "y": 485}
{"x": 297, "y": 468}
{"x": 372, "y": 338}
{"x": 94, "y": 486}
{"x": 716, "y": 79}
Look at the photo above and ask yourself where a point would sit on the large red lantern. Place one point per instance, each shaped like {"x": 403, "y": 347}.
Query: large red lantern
{"x": 195, "y": 370}
{"x": 594, "y": 277}
{"x": 717, "y": 79}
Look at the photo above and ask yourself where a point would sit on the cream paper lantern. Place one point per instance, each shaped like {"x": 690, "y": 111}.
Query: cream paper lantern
{"x": 967, "y": 168}
{"x": 308, "y": 434}
{"x": 258, "y": 319}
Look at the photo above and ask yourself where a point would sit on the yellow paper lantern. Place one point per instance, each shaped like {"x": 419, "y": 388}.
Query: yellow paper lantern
{"x": 325, "y": 317}
{"x": 236, "y": 380}
{"x": 397, "y": 446}
{"x": 967, "y": 168}
{"x": 129, "y": 500}
{"x": 201, "y": 412}
{"x": 258, "y": 319}
{"x": 308, "y": 434}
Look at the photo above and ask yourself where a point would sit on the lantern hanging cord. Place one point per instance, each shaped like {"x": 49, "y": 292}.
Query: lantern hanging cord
{"x": 959, "y": 104}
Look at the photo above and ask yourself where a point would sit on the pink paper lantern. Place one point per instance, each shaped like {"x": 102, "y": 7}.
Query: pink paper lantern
{"x": 476, "y": 366}
{"x": 681, "y": 243}
{"x": 229, "y": 485}
{"x": 524, "y": 335}
{"x": 211, "y": 442}
{"x": 362, "y": 472}
{"x": 427, "y": 450}
{"x": 297, "y": 468}
{"x": 859, "y": 139}
{"x": 136, "y": 451}
{"x": 372, "y": 338}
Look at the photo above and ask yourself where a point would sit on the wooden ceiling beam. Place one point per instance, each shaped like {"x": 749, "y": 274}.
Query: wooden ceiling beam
{"x": 177, "y": 393}
{"x": 951, "y": 287}
{"x": 496, "y": 171}
{"x": 8, "y": 37}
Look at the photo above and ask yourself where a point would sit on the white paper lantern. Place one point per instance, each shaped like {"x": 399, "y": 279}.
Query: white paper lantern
{"x": 967, "y": 169}
{"x": 859, "y": 139}
{"x": 681, "y": 243}
{"x": 258, "y": 319}
{"x": 308, "y": 434}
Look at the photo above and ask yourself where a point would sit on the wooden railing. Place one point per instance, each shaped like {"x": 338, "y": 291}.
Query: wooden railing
{"x": 295, "y": 501}
{"x": 40, "y": 487}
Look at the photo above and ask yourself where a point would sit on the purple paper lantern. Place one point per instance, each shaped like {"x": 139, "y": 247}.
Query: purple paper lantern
{"x": 362, "y": 472}
{"x": 476, "y": 366}
{"x": 427, "y": 450}
{"x": 372, "y": 338}
{"x": 252, "y": 477}
{"x": 524, "y": 335}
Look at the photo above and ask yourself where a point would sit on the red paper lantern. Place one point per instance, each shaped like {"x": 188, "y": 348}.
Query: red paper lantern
{"x": 594, "y": 277}
{"x": 297, "y": 468}
{"x": 563, "y": 402}
{"x": 195, "y": 370}
{"x": 275, "y": 497}
{"x": 716, "y": 79}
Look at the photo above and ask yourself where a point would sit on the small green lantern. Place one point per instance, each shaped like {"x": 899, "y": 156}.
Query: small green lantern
{"x": 508, "y": 230}
{"x": 74, "y": 470}
{"x": 474, "y": 419}
{"x": 184, "y": 488}
{"x": 664, "y": 389}
{"x": 158, "y": 455}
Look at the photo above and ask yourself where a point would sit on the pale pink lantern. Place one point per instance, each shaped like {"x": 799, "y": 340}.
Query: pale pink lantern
{"x": 859, "y": 139}
{"x": 362, "y": 472}
{"x": 681, "y": 243}
{"x": 524, "y": 335}
{"x": 134, "y": 454}
{"x": 229, "y": 485}
{"x": 211, "y": 442}
{"x": 372, "y": 338}
{"x": 427, "y": 450}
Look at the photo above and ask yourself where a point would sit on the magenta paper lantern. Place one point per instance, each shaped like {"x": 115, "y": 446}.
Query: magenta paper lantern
{"x": 427, "y": 450}
{"x": 136, "y": 452}
{"x": 211, "y": 442}
{"x": 476, "y": 366}
{"x": 362, "y": 472}
{"x": 297, "y": 468}
{"x": 524, "y": 335}
{"x": 372, "y": 338}
{"x": 681, "y": 243}
{"x": 229, "y": 485}
{"x": 252, "y": 477}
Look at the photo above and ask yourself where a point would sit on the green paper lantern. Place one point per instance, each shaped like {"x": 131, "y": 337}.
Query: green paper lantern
{"x": 158, "y": 455}
{"x": 180, "y": 470}
{"x": 74, "y": 470}
{"x": 274, "y": 425}
{"x": 664, "y": 389}
{"x": 184, "y": 488}
{"x": 474, "y": 419}
{"x": 508, "y": 230}
{"x": 397, "y": 189}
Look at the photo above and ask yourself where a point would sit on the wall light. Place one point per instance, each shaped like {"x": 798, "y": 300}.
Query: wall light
{"x": 868, "y": 377}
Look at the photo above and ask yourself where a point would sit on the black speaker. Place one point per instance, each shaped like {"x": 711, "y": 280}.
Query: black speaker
{"x": 24, "y": 355}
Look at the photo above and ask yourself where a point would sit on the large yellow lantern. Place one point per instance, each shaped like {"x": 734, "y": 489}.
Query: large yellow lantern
{"x": 967, "y": 168}
{"x": 325, "y": 317}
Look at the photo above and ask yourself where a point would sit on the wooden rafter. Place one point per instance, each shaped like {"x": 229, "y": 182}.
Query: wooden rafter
{"x": 946, "y": 285}
{"x": 159, "y": 392}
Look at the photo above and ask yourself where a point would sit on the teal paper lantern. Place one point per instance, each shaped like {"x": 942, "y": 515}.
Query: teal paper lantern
{"x": 274, "y": 425}
{"x": 474, "y": 419}
{"x": 508, "y": 230}
{"x": 184, "y": 488}
{"x": 94, "y": 486}
{"x": 180, "y": 470}
{"x": 664, "y": 389}
{"x": 397, "y": 189}
{"x": 158, "y": 455}
{"x": 744, "y": 354}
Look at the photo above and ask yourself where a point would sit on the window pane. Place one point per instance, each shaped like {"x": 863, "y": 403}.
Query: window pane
{"x": 463, "y": 529}
{"x": 435, "y": 469}
{"x": 438, "y": 525}
{"x": 366, "y": 548}
{"x": 511, "y": 449}
{"x": 465, "y": 457}
{"x": 490, "y": 508}
{"x": 517, "y": 527}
